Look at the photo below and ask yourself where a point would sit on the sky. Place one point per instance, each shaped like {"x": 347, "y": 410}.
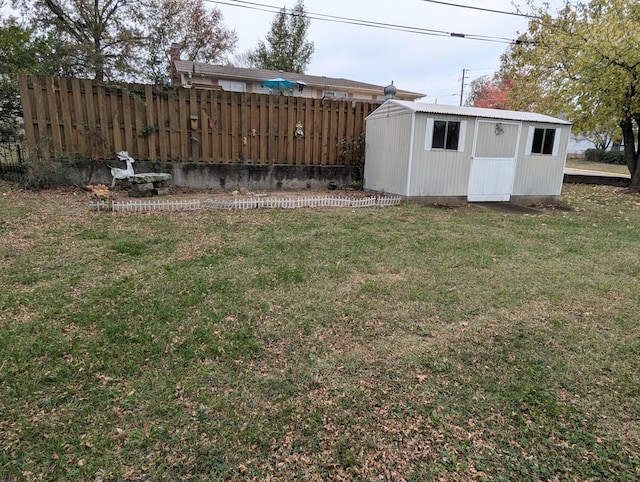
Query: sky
{"x": 427, "y": 64}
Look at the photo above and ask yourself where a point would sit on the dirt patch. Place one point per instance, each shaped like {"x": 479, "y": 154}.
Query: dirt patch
{"x": 509, "y": 208}
{"x": 185, "y": 193}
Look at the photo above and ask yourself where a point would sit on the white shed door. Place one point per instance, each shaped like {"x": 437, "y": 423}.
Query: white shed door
{"x": 493, "y": 166}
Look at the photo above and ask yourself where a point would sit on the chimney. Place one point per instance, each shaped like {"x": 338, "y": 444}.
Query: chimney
{"x": 174, "y": 54}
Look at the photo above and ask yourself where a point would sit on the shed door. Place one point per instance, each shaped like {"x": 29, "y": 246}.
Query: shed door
{"x": 493, "y": 165}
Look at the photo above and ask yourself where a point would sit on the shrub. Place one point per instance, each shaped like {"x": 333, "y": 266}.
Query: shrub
{"x": 45, "y": 174}
{"x": 48, "y": 172}
{"x": 607, "y": 157}
{"x": 351, "y": 150}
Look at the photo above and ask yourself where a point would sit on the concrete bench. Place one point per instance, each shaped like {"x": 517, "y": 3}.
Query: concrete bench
{"x": 149, "y": 184}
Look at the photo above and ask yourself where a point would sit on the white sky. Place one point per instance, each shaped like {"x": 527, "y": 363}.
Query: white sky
{"x": 416, "y": 62}
{"x": 420, "y": 63}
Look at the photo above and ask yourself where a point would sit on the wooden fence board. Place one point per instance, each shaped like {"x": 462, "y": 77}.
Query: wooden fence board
{"x": 40, "y": 126}
{"x": 205, "y": 108}
{"x": 92, "y": 135}
{"x": 271, "y": 128}
{"x": 225, "y": 129}
{"x": 290, "y": 128}
{"x": 42, "y": 116}
{"x": 115, "y": 117}
{"x": 243, "y": 128}
{"x": 183, "y": 132}
{"x": 261, "y": 129}
{"x": 234, "y": 126}
{"x": 160, "y": 126}
{"x": 127, "y": 125}
{"x": 25, "y": 85}
{"x": 342, "y": 128}
{"x": 307, "y": 128}
{"x": 324, "y": 141}
{"x": 53, "y": 107}
{"x": 67, "y": 123}
{"x": 78, "y": 119}
{"x": 193, "y": 126}
{"x": 105, "y": 131}
{"x": 93, "y": 120}
{"x": 283, "y": 125}
{"x": 251, "y": 132}
{"x": 174, "y": 128}
{"x": 214, "y": 123}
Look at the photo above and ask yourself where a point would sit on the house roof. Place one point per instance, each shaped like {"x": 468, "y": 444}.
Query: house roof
{"x": 258, "y": 75}
{"x": 472, "y": 112}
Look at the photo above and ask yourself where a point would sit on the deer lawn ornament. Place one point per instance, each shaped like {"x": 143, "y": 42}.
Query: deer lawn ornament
{"x": 118, "y": 173}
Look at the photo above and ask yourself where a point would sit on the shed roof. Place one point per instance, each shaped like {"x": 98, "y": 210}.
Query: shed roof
{"x": 471, "y": 112}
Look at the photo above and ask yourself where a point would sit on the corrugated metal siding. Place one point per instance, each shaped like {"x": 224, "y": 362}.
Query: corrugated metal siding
{"x": 446, "y": 173}
{"x": 387, "y": 153}
{"x": 440, "y": 172}
{"x": 541, "y": 175}
{"x": 492, "y": 145}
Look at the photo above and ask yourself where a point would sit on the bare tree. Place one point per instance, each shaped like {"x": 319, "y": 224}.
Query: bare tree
{"x": 199, "y": 32}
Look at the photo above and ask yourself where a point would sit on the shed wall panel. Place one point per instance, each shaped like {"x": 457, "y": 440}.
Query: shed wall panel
{"x": 538, "y": 174}
{"x": 387, "y": 153}
{"x": 440, "y": 172}
{"x": 497, "y": 140}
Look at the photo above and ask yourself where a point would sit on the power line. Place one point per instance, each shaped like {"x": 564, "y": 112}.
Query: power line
{"x": 502, "y": 12}
{"x": 367, "y": 23}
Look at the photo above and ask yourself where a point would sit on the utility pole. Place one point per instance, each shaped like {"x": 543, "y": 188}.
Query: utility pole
{"x": 464, "y": 71}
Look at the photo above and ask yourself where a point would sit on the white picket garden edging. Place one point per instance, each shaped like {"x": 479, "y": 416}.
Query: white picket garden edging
{"x": 244, "y": 204}
{"x": 139, "y": 206}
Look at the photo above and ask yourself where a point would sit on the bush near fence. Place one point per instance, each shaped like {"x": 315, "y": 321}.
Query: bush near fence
{"x": 607, "y": 157}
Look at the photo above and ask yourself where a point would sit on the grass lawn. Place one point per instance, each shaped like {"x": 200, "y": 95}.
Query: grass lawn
{"x": 402, "y": 343}
{"x": 597, "y": 166}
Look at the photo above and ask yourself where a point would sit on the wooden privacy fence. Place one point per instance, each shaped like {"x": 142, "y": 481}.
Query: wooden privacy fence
{"x": 93, "y": 120}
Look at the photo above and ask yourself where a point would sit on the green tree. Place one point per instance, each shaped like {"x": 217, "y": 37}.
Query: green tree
{"x": 584, "y": 63}
{"x": 127, "y": 39}
{"x": 10, "y": 107}
{"x": 287, "y": 48}
{"x": 20, "y": 51}
{"x": 97, "y": 38}
{"x": 200, "y": 33}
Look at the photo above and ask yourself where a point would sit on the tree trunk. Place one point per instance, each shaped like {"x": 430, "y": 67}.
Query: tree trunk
{"x": 631, "y": 153}
{"x": 635, "y": 181}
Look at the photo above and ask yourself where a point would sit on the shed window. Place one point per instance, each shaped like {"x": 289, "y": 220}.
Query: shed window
{"x": 543, "y": 140}
{"x": 446, "y": 135}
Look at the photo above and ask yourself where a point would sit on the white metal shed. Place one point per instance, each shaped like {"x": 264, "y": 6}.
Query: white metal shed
{"x": 431, "y": 152}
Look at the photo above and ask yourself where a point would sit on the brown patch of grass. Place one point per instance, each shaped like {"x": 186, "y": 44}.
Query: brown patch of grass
{"x": 400, "y": 343}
